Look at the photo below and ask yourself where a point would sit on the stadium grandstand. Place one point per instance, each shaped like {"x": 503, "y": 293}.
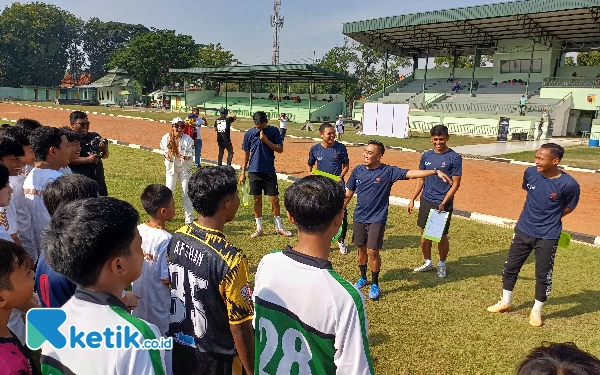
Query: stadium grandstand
{"x": 298, "y": 107}
{"x": 528, "y": 41}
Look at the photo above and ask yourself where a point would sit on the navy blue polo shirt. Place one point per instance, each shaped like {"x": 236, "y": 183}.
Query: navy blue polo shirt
{"x": 262, "y": 157}
{"x": 53, "y": 288}
{"x": 373, "y": 187}
{"x": 545, "y": 202}
{"x": 449, "y": 162}
{"x": 329, "y": 159}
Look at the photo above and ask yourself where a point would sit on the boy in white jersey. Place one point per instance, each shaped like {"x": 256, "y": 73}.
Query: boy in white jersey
{"x": 10, "y": 156}
{"x": 95, "y": 243}
{"x": 153, "y": 286}
{"x": 51, "y": 154}
{"x": 306, "y": 315}
{"x": 74, "y": 145}
{"x": 25, "y": 231}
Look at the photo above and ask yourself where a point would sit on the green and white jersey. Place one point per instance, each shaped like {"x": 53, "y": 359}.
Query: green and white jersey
{"x": 308, "y": 320}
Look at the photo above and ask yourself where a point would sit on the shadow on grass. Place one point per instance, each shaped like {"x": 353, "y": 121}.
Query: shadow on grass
{"x": 587, "y": 301}
{"x": 462, "y": 269}
{"x": 376, "y": 339}
{"x": 401, "y": 242}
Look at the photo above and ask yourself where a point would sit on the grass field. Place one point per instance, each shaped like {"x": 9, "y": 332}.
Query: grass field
{"x": 423, "y": 324}
{"x": 575, "y": 156}
{"x": 417, "y": 141}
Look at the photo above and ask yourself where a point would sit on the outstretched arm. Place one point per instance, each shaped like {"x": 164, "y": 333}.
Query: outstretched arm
{"x": 417, "y": 173}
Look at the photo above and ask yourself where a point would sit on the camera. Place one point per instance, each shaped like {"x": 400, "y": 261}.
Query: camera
{"x": 95, "y": 145}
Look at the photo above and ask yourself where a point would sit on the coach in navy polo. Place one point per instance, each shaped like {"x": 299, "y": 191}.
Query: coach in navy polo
{"x": 373, "y": 182}
{"x": 331, "y": 157}
{"x": 436, "y": 194}
{"x": 551, "y": 195}
{"x": 260, "y": 144}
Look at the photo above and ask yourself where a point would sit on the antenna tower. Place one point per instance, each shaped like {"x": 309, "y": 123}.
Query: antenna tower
{"x": 276, "y": 24}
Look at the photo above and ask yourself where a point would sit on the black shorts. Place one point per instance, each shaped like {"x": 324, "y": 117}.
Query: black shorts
{"x": 263, "y": 181}
{"x": 368, "y": 234}
{"x": 189, "y": 361}
{"x": 426, "y": 206}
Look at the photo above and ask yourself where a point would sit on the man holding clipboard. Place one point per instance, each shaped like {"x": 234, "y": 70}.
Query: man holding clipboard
{"x": 372, "y": 182}
{"x": 437, "y": 194}
{"x": 331, "y": 157}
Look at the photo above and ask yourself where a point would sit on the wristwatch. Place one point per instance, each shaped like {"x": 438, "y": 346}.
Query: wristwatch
{"x": 435, "y": 171}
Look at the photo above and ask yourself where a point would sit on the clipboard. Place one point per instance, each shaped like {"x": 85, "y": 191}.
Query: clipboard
{"x": 246, "y": 192}
{"x": 434, "y": 228}
{"x": 565, "y": 240}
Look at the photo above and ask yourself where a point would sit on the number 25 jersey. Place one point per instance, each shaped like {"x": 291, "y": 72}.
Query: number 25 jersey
{"x": 308, "y": 318}
{"x": 209, "y": 289}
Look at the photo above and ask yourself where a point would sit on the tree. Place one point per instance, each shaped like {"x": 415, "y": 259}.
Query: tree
{"x": 37, "y": 42}
{"x": 101, "y": 39}
{"x": 588, "y": 58}
{"x": 463, "y": 61}
{"x": 569, "y": 61}
{"x": 214, "y": 56}
{"x": 149, "y": 56}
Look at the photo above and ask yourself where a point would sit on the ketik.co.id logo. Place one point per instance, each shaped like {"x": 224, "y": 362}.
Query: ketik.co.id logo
{"x": 44, "y": 325}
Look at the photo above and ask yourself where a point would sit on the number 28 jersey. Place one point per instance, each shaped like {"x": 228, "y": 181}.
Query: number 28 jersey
{"x": 209, "y": 289}
{"x": 308, "y": 318}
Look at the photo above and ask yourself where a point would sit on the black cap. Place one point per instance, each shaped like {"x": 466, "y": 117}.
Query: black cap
{"x": 222, "y": 111}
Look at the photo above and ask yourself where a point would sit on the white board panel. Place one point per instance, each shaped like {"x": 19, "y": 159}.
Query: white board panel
{"x": 385, "y": 118}
{"x": 370, "y": 118}
{"x": 400, "y": 120}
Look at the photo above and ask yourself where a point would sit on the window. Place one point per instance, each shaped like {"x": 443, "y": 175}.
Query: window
{"x": 521, "y": 66}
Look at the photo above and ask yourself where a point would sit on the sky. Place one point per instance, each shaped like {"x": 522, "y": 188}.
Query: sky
{"x": 311, "y": 27}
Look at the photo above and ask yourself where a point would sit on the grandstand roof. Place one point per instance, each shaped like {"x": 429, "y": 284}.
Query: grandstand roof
{"x": 572, "y": 22}
{"x": 269, "y": 73}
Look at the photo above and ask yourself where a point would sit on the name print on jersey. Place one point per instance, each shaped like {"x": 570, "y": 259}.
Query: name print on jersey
{"x": 192, "y": 254}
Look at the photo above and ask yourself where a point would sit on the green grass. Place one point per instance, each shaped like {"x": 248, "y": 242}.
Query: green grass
{"x": 417, "y": 141}
{"x": 423, "y": 324}
{"x": 575, "y": 156}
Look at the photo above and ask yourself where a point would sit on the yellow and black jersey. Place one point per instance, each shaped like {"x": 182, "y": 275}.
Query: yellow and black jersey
{"x": 209, "y": 289}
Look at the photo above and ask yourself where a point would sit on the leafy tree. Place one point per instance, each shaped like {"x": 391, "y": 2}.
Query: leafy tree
{"x": 101, "y": 39}
{"x": 149, "y": 56}
{"x": 588, "y": 58}
{"x": 214, "y": 56}
{"x": 37, "y": 42}
{"x": 569, "y": 61}
{"x": 463, "y": 61}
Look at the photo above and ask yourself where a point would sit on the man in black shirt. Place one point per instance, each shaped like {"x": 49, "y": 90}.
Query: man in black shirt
{"x": 90, "y": 158}
{"x": 223, "y": 128}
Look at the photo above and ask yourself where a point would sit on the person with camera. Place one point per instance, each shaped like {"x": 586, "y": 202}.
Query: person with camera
{"x": 94, "y": 148}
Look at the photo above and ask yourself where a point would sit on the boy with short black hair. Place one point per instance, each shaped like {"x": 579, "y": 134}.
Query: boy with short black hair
{"x": 95, "y": 243}
{"x": 436, "y": 194}
{"x": 51, "y": 153}
{"x": 28, "y": 124}
{"x": 153, "y": 285}
{"x": 260, "y": 144}
{"x": 16, "y": 287}
{"x": 211, "y": 321}
{"x": 333, "y": 327}
{"x": 16, "y": 183}
{"x": 54, "y": 288}
{"x": 10, "y": 156}
{"x": 74, "y": 145}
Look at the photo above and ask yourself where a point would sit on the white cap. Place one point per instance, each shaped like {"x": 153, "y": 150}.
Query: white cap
{"x": 176, "y": 120}
{"x": 340, "y": 116}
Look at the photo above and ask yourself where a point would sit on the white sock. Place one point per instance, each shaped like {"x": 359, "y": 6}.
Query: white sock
{"x": 278, "y": 225}
{"x": 537, "y": 305}
{"x": 441, "y": 263}
{"x": 506, "y": 296}
{"x": 428, "y": 262}
{"x": 258, "y": 224}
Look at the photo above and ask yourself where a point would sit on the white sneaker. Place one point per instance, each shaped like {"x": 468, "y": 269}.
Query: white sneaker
{"x": 441, "y": 270}
{"x": 283, "y": 232}
{"x": 343, "y": 248}
{"x": 424, "y": 268}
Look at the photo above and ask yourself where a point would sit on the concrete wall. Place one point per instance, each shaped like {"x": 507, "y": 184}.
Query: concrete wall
{"x": 12, "y": 92}
{"x": 561, "y": 118}
{"x": 109, "y": 95}
{"x": 485, "y": 125}
{"x": 580, "y": 96}
{"x": 332, "y": 110}
{"x": 197, "y": 98}
{"x": 582, "y": 71}
{"x": 462, "y": 73}
{"x": 265, "y": 95}
{"x": 520, "y": 49}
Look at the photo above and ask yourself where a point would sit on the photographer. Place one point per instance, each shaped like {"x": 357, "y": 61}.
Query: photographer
{"x": 94, "y": 148}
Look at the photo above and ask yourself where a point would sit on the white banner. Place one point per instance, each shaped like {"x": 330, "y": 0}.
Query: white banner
{"x": 401, "y": 120}
{"x": 386, "y": 120}
{"x": 370, "y": 118}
